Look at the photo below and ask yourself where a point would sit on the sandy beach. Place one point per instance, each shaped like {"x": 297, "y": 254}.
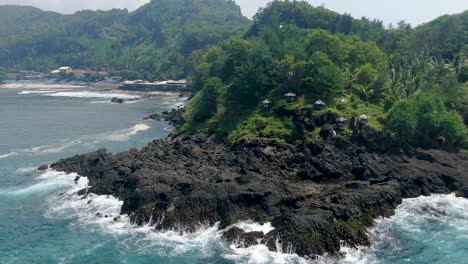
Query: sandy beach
{"x": 94, "y": 86}
{"x": 39, "y": 85}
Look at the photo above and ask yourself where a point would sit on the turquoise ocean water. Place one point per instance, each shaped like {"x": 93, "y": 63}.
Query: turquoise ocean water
{"x": 42, "y": 220}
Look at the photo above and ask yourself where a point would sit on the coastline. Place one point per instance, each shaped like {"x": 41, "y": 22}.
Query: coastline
{"x": 96, "y": 86}
{"x": 39, "y": 85}
{"x": 315, "y": 196}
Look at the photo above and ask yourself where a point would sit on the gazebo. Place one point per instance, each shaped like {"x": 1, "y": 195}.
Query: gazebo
{"x": 319, "y": 105}
{"x": 342, "y": 104}
{"x": 341, "y": 121}
{"x": 267, "y": 104}
{"x": 290, "y": 97}
{"x": 364, "y": 118}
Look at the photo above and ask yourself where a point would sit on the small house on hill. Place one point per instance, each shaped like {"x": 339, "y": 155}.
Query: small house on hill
{"x": 319, "y": 105}
{"x": 341, "y": 122}
{"x": 364, "y": 118}
{"x": 267, "y": 104}
{"x": 342, "y": 104}
{"x": 290, "y": 97}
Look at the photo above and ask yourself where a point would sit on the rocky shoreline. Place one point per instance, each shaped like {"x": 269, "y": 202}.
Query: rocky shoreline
{"x": 315, "y": 195}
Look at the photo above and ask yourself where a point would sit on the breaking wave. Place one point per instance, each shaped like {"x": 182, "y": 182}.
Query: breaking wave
{"x": 37, "y": 92}
{"x": 424, "y": 228}
{"x": 90, "y": 94}
{"x": 250, "y": 226}
{"x": 120, "y": 135}
{"x": 52, "y": 149}
{"x": 101, "y": 213}
{"x": 49, "y": 181}
{"x": 123, "y": 135}
{"x": 4, "y": 156}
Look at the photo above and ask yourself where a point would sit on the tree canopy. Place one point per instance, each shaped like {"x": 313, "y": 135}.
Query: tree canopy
{"x": 319, "y": 54}
{"x": 152, "y": 42}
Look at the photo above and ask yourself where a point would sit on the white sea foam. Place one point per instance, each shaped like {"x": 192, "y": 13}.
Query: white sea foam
{"x": 102, "y": 214}
{"x": 37, "y": 92}
{"x": 51, "y": 149}
{"x": 90, "y": 141}
{"x": 251, "y": 226}
{"x": 4, "y": 156}
{"x": 109, "y": 102}
{"x": 123, "y": 135}
{"x": 411, "y": 217}
{"x": 92, "y": 94}
{"x": 26, "y": 170}
{"x": 260, "y": 254}
{"x": 48, "y": 181}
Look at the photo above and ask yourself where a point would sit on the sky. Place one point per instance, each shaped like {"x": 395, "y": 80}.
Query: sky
{"x": 390, "y": 11}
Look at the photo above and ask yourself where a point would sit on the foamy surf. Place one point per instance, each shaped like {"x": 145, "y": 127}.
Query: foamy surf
{"x": 125, "y": 134}
{"x": 51, "y": 149}
{"x": 91, "y": 94}
{"x": 36, "y": 92}
{"x": 413, "y": 219}
{"x": 87, "y": 141}
{"x": 4, "y": 156}
{"x": 251, "y": 226}
{"x": 102, "y": 214}
{"x": 47, "y": 182}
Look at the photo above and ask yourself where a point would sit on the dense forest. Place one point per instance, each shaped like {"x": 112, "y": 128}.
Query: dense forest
{"x": 412, "y": 81}
{"x": 152, "y": 42}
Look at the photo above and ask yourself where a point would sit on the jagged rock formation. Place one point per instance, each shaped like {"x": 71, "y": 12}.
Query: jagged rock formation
{"x": 315, "y": 195}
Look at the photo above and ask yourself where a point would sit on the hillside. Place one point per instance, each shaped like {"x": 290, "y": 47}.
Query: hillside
{"x": 152, "y": 42}
{"x": 417, "y": 90}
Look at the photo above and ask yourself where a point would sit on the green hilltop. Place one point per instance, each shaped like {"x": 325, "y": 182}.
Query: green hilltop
{"x": 152, "y": 42}
{"x": 408, "y": 80}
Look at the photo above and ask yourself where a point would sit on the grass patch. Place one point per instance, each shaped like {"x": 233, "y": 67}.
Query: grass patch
{"x": 266, "y": 126}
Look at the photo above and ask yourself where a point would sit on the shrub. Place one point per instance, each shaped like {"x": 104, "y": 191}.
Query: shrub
{"x": 422, "y": 118}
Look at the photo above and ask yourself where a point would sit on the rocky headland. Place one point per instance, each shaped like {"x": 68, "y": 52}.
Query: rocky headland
{"x": 315, "y": 195}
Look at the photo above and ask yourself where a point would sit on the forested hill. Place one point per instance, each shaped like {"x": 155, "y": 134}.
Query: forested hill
{"x": 152, "y": 42}
{"x": 412, "y": 81}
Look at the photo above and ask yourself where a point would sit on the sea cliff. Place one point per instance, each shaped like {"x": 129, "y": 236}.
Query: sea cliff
{"x": 316, "y": 195}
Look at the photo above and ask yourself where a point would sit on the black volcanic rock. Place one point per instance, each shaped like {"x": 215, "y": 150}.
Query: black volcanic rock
{"x": 315, "y": 195}
{"x": 117, "y": 100}
{"x": 43, "y": 168}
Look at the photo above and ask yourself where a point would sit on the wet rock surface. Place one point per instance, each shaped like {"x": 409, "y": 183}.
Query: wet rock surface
{"x": 173, "y": 117}
{"x": 315, "y": 195}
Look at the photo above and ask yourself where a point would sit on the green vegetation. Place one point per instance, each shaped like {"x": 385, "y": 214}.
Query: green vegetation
{"x": 425, "y": 117}
{"x": 319, "y": 54}
{"x": 409, "y": 80}
{"x": 152, "y": 43}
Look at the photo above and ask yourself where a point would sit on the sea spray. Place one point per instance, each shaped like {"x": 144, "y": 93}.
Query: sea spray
{"x": 433, "y": 229}
{"x": 101, "y": 213}
{"x": 4, "y": 156}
